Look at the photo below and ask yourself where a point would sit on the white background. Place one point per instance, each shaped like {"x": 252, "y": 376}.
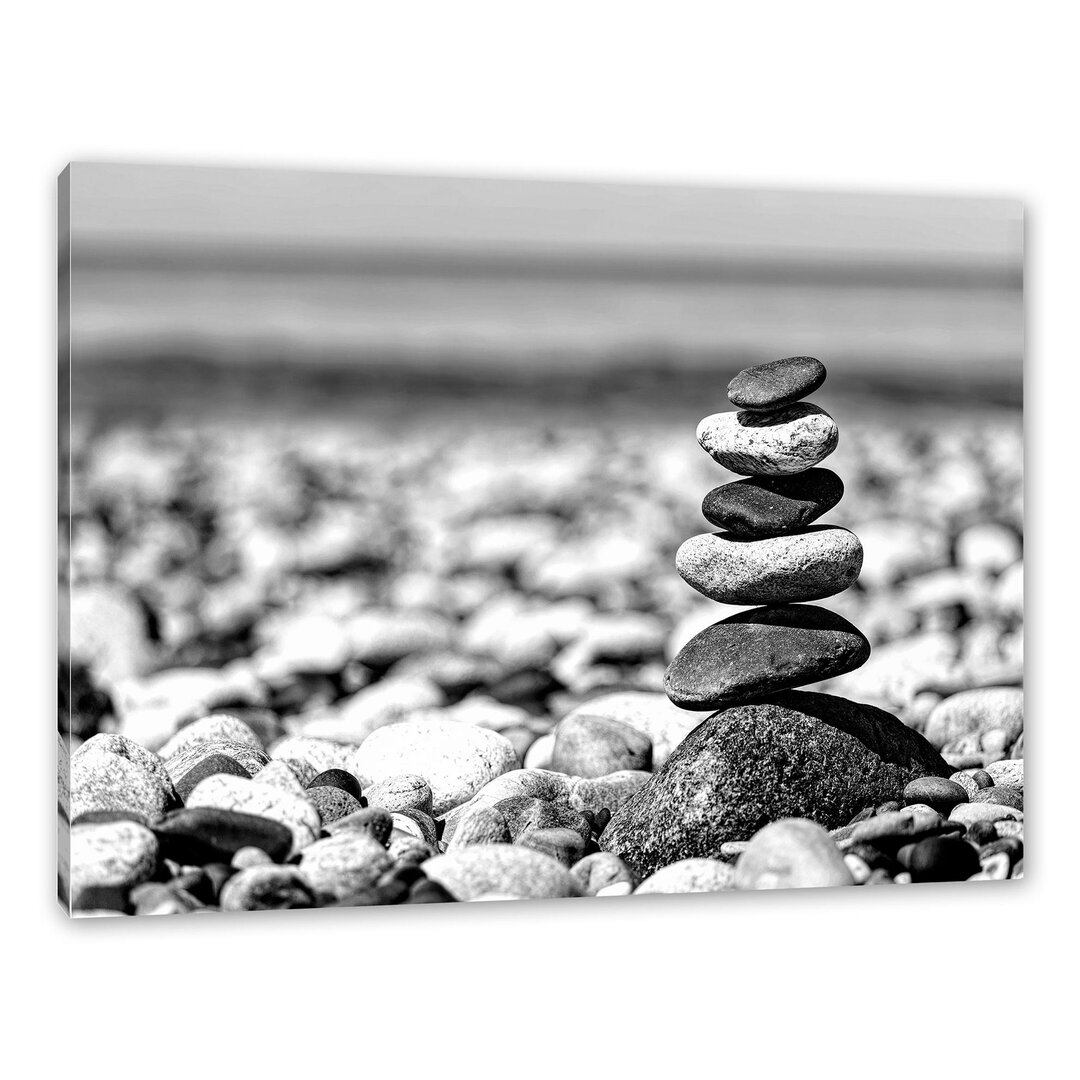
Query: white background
{"x": 956, "y": 97}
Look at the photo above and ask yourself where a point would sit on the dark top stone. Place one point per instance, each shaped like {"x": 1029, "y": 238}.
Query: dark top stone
{"x": 337, "y": 778}
{"x": 795, "y": 754}
{"x": 775, "y": 385}
{"x": 773, "y": 505}
{"x": 762, "y": 651}
{"x": 199, "y": 835}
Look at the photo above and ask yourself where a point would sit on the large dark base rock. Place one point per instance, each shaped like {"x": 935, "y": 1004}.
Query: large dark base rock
{"x": 794, "y": 754}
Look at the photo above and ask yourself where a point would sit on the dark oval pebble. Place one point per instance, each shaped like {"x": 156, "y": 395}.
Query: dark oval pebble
{"x": 337, "y": 778}
{"x": 564, "y": 845}
{"x": 209, "y": 766}
{"x": 195, "y": 836}
{"x": 1000, "y": 795}
{"x": 373, "y": 819}
{"x": 333, "y": 803}
{"x": 773, "y": 505}
{"x": 774, "y": 385}
{"x": 430, "y": 892}
{"x": 982, "y": 778}
{"x": 760, "y": 652}
{"x": 936, "y": 792}
{"x": 943, "y": 858}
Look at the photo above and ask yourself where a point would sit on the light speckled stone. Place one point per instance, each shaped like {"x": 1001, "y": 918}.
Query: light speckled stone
{"x": 218, "y": 727}
{"x": 793, "y": 853}
{"x": 267, "y": 888}
{"x": 651, "y": 713}
{"x": 281, "y": 775}
{"x": 102, "y": 780}
{"x": 977, "y": 712}
{"x": 343, "y": 863}
{"x": 1008, "y": 773}
{"x": 317, "y": 754}
{"x": 769, "y": 444}
{"x": 127, "y": 748}
{"x": 405, "y": 792}
{"x": 455, "y": 759}
{"x": 817, "y": 562}
{"x": 480, "y": 824}
{"x": 503, "y": 869}
{"x": 115, "y": 854}
{"x": 263, "y": 800}
{"x": 689, "y": 876}
{"x": 606, "y": 792}
{"x": 969, "y": 813}
{"x": 601, "y": 870}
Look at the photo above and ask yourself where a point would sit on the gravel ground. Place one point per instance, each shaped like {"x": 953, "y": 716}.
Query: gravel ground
{"x": 315, "y": 663}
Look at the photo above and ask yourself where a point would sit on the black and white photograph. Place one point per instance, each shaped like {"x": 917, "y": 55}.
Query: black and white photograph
{"x": 430, "y": 539}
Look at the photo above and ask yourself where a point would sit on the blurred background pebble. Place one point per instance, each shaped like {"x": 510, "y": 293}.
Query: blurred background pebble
{"x": 347, "y": 449}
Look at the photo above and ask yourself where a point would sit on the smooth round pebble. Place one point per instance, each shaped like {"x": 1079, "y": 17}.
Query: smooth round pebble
{"x": 772, "y": 505}
{"x": 776, "y": 384}
{"x": 808, "y": 565}
{"x": 936, "y": 792}
{"x": 792, "y": 853}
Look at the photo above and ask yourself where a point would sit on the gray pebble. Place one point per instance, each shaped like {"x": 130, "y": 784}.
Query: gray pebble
{"x": 344, "y": 863}
{"x": 266, "y": 888}
{"x": 780, "y": 443}
{"x": 111, "y": 856}
{"x": 696, "y": 875}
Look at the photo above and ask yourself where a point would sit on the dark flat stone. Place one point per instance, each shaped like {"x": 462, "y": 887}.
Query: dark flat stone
{"x": 337, "y": 778}
{"x": 772, "y": 386}
{"x": 936, "y": 792}
{"x": 795, "y": 754}
{"x": 196, "y": 836}
{"x": 208, "y": 766}
{"x": 761, "y": 652}
{"x": 773, "y": 505}
{"x": 942, "y": 858}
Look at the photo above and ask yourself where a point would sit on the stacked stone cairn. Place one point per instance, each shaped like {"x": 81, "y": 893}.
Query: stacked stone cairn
{"x": 769, "y": 753}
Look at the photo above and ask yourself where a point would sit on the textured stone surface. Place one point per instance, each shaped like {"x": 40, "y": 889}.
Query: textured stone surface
{"x": 595, "y": 746}
{"x": 218, "y": 727}
{"x": 110, "y": 856}
{"x": 480, "y": 824}
{"x": 405, "y": 792}
{"x": 606, "y": 792}
{"x": 769, "y": 444}
{"x": 761, "y": 651}
{"x": 103, "y": 780}
{"x": 791, "y": 854}
{"x": 689, "y": 876}
{"x": 522, "y": 813}
{"x": 796, "y": 754}
{"x": 337, "y": 778}
{"x": 343, "y": 863}
{"x": 133, "y": 751}
{"x": 373, "y": 819}
{"x": 332, "y": 803}
{"x": 564, "y": 845}
{"x": 809, "y": 565}
{"x": 267, "y": 888}
{"x": 503, "y": 869}
{"x": 772, "y": 505}
{"x": 774, "y": 385}
{"x": 455, "y": 759}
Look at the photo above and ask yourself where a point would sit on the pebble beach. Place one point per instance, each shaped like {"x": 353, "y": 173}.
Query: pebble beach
{"x": 331, "y": 664}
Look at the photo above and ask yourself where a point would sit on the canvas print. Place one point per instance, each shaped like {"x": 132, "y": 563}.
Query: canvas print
{"x": 440, "y": 539}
